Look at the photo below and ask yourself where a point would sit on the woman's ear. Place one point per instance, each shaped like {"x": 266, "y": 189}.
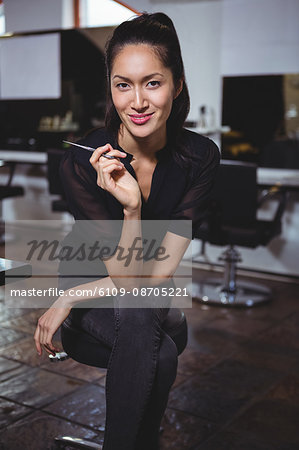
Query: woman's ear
{"x": 178, "y": 88}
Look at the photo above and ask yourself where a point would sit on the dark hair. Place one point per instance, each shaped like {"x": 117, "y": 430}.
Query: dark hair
{"x": 156, "y": 30}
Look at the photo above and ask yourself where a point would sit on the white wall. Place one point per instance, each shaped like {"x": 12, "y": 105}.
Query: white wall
{"x": 32, "y": 15}
{"x": 260, "y": 37}
{"x": 30, "y": 67}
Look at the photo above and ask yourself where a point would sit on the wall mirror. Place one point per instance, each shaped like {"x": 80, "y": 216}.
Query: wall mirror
{"x": 263, "y": 114}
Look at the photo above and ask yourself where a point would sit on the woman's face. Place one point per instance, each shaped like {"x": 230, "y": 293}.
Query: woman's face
{"x": 142, "y": 91}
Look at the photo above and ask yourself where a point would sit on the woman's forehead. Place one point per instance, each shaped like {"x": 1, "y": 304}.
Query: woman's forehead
{"x": 137, "y": 59}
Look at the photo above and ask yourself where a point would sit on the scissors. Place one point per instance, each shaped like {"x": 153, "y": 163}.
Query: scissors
{"x": 91, "y": 149}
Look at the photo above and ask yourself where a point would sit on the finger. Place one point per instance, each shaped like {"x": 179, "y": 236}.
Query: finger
{"x": 105, "y": 162}
{"x": 41, "y": 335}
{"x": 47, "y": 343}
{"x": 37, "y": 340}
{"x": 50, "y": 348}
{"x": 105, "y": 179}
{"x": 106, "y": 149}
{"x": 116, "y": 153}
{"x": 44, "y": 333}
{"x": 98, "y": 151}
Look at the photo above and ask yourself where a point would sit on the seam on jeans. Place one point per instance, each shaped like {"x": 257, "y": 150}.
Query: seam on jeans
{"x": 156, "y": 342}
{"x": 116, "y": 316}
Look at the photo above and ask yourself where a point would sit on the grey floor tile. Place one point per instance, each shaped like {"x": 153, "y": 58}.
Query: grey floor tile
{"x": 36, "y": 387}
{"x": 10, "y": 412}
{"x": 38, "y": 431}
{"x": 76, "y": 370}
{"x": 9, "y": 336}
{"x": 220, "y": 392}
{"x": 182, "y": 431}
{"x": 24, "y": 351}
{"x": 86, "y": 406}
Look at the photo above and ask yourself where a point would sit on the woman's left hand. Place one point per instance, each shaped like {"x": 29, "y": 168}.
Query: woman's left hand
{"x": 48, "y": 324}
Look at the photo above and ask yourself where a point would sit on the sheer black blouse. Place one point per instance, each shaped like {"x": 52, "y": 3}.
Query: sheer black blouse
{"x": 175, "y": 194}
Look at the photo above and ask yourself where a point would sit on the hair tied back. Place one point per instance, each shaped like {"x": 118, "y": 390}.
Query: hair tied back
{"x": 163, "y": 19}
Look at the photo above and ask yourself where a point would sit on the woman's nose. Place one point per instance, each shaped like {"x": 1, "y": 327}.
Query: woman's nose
{"x": 139, "y": 100}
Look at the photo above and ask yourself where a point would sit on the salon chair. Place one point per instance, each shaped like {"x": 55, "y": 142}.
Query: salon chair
{"x": 232, "y": 221}
{"x": 175, "y": 325}
{"x": 55, "y": 186}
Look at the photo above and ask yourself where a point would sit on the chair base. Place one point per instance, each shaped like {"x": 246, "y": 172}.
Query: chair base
{"x": 213, "y": 291}
{"x": 71, "y": 441}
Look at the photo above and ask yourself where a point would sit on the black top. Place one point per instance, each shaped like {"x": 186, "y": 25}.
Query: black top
{"x": 176, "y": 198}
{"x": 175, "y": 194}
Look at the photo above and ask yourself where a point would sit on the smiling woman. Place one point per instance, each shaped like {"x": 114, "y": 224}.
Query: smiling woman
{"x": 160, "y": 172}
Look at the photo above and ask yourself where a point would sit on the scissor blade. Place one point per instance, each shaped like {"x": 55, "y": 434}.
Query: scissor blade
{"x": 81, "y": 146}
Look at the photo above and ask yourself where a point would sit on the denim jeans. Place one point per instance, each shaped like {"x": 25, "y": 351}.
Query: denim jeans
{"x": 141, "y": 361}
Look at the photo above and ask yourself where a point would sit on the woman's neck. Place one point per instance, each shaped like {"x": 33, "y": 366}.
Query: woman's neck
{"x": 141, "y": 148}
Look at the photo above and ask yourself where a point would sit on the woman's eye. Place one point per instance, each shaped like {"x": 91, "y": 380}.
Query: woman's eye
{"x": 154, "y": 83}
{"x": 122, "y": 85}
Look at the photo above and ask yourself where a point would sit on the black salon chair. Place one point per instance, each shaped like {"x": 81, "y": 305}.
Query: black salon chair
{"x": 55, "y": 186}
{"x": 175, "y": 325}
{"x": 232, "y": 221}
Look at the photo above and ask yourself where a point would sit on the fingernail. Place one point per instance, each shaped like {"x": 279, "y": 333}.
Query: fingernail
{"x": 123, "y": 153}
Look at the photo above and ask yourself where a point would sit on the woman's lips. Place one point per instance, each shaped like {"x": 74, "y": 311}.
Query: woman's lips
{"x": 140, "y": 119}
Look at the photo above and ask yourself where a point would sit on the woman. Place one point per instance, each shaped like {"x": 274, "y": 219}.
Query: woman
{"x": 160, "y": 171}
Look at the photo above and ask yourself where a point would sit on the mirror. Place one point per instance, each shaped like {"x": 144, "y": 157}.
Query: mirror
{"x": 262, "y": 112}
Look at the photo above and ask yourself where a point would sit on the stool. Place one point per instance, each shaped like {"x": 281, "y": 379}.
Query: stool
{"x": 175, "y": 325}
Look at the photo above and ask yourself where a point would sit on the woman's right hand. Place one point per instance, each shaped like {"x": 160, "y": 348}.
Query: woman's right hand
{"x": 114, "y": 177}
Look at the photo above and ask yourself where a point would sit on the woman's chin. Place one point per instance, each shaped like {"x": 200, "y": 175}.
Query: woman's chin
{"x": 144, "y": 131}
{"x": 141, "y": 131}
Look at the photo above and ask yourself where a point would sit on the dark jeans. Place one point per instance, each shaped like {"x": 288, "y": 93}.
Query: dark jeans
{"x": 141, "y": 361}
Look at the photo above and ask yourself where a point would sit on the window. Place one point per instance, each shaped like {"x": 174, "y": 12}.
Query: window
{"x": 101, "y": 13}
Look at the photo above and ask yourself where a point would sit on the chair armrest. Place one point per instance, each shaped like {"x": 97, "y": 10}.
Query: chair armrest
{"x": 275, "y": 192}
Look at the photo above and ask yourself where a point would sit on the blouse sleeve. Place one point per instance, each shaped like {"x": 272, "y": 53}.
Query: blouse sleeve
{"x": 192, "y": 208}
{"x": 88, "y": 204}
{"x": 84, "y": 198}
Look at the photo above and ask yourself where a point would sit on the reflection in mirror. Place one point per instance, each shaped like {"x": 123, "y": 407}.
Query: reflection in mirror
{"x": 262, "y": 112}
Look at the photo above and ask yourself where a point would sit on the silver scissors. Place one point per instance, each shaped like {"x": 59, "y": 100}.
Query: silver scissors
{"x": 91, "y": 149}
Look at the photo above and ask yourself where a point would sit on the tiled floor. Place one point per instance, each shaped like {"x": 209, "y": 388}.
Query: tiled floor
{"x": 237, "y": 386}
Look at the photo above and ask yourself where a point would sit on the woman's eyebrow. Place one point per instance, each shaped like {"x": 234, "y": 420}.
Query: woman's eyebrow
{"x": 147, "y": 77}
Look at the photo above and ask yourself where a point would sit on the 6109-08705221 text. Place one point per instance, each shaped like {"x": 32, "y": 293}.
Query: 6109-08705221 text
{"x": 101, "y": 292}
